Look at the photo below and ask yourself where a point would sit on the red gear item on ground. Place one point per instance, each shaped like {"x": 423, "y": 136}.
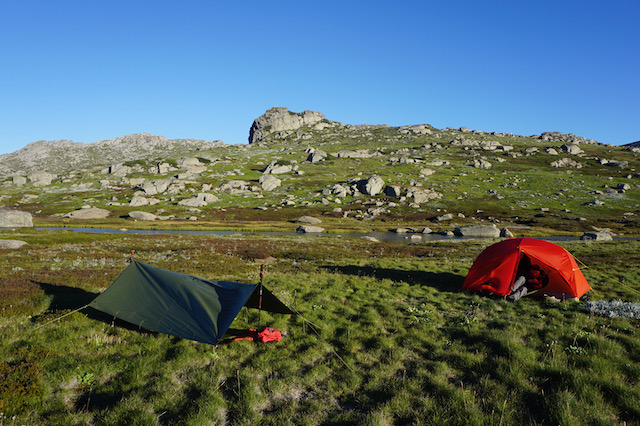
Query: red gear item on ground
{"x": 268, "y": 334}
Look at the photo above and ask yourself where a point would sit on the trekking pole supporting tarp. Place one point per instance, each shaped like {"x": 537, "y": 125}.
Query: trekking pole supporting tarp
{"x": 260, "y": 293}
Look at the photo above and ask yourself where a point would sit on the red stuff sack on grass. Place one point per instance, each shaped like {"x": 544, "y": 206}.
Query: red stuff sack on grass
{"x": 269, "y": 334}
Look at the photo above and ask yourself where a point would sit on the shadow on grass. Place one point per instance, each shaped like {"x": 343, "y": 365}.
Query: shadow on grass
{"x": 442, "y": 281}
{"x": 65, "y": 298}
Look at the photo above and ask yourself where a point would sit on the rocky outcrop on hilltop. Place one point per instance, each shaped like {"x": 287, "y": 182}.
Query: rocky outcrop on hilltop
{"x": 282, "y": 122}
{"x": 62, "y": 156}
{"x": 558, "y": 137}
{"x": 278, "y": 124}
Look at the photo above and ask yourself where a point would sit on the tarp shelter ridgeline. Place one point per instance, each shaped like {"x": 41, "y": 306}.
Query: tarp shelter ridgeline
{"x": 178, "y": 304}
{"x": 495, "y": 268}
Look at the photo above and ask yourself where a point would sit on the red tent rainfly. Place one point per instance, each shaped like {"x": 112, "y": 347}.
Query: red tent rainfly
{"x": 495, "y": 268}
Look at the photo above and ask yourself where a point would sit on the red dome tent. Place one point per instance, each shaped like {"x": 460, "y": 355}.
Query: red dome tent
{"x": 495, "y": 268}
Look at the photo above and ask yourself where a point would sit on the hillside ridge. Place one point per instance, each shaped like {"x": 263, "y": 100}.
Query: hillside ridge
{"x": 63, "y": 155}
{"x": 277, "y": 123}
{"x": 360, "y": 176}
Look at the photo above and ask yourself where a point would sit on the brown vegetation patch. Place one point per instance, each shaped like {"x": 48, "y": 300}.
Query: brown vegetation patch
{"x": 247, "y": 249}
{"x": 21, "y": 378}
{"x": 19, "y": 296}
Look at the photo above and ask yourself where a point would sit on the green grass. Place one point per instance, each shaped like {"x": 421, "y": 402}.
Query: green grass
{"x": 385, "y": 336}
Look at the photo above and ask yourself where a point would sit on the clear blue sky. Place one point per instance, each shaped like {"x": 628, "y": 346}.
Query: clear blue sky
{"x": 93, "y": 70}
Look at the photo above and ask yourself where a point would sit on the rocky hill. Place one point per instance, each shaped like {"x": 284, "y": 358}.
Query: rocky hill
{"x": 63, "y": 156}
{"x": 358, "y": 176}
{"x": 278, "y": 123}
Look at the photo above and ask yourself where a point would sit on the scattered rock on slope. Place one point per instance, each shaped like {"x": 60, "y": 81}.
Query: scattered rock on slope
{"x": 444, "y": 217}
{"x": 316, "y": 156}
{"x": 478, "y": 231}
{"x": 269, "y": 182}
{"x": 15, "y": 219}
{"x": 140, "y": 215}
{"x": 309, "y": 229}
{"x": 88, "y": 213}
{"x": 11, "y": 244}
{"x": 235, "y": 187}
{"x": 277, "y": 168}
{"x": 309, "y": 220}
{"x": 505, "y": 233}
{"x": 566, "y": 162}
{"x": 41, "y": 178}
{"x": 200, "y": 200}
{"x": 613, "y": 163}
{"x": 191, "y": 165}
{"x": 19, "y": 180}
{"x": 371, "y": 186}
{"x": 138, "y": 201}
{"x": 481, "y": 164}
{"x": 420, "y": 195}
{"x": 572, "y": 148}
{"x": 358, "y": 153}
{"x": 393, "y": 191}
{"x": 597, "y": 236}
{"x": 155, "y": 187}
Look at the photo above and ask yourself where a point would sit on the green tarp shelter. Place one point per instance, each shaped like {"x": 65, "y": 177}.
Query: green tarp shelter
{"x": 181, "y": 305}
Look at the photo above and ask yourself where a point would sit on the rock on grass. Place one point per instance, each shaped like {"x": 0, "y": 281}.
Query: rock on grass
{"x": 309, "y": 229}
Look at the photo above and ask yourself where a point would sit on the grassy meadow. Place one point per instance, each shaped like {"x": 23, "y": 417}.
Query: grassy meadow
{"x": 384, "y": 336}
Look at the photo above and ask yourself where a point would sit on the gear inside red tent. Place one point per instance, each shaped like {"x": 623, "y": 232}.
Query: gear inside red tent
{"x": 496, "y": 268}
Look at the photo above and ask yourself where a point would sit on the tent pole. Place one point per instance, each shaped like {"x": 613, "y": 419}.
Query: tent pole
{"x": 260, "y": 293}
